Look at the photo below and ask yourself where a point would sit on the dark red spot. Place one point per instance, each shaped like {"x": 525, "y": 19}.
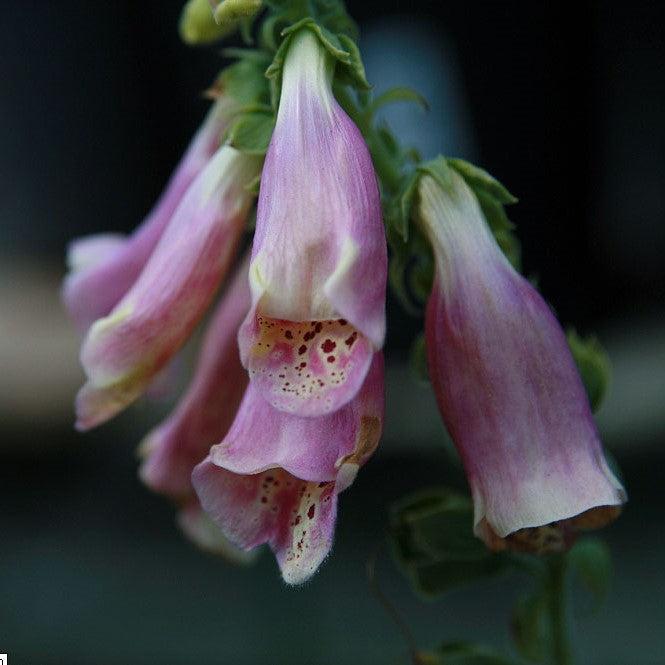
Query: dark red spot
{"x": 311, "y": 511}
{"x": 288, "y": 334}
{"x": 264, "y": 500}
{"x": 302, "y": 349}
{"x": 331, "y": 359}
{"x": 297, "y": 520}
{"x": 319, "y": 327}
{"x": 351, "y": 339}
{"x": 323, "y": 484}
{"x": 303, "y": 364}
{"x": 328, "y": 346}
{"x": 342, "y": 322}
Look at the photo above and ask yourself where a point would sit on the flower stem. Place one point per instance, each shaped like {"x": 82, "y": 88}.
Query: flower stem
{"x": 561, "y": 648}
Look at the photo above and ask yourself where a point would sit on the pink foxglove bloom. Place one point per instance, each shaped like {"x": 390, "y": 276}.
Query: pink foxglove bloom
{"x": 123, "y": 351}
{"x": 508, "y": 388}
{"x": 318, "y": 270}
{"x": 275, "y": 477}
{"x": 206, "y": 411}
{"x": 103, "y": 267}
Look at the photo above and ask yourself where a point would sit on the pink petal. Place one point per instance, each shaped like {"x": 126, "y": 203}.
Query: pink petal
{"x": 319, "y": 252}
{"x": 506, "y": 383}
{"x": 307, "y": 368}
{"x": 206, "y": 411}
{"x": 296, "y": 518}
{"x": 123, "y": 351}
{"x": 104, "y": 267}
{"x": 206, "y": 535}
{"x": 312, "y": 449}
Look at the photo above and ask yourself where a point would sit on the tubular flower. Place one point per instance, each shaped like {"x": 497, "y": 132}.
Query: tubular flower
{"x": 123, "y": 351}
{"x": 206, "y": 411}
{"x": 202, "y": 418}
{"x": 507, "y": 387}
{"x": 318, "y": 270}
{"x": 276, "y": 476}
{"x": 103, "y": 267}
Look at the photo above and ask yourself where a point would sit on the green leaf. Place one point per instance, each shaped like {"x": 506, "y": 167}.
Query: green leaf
{"x": 433, "y": 541}
{"x": 593, "y": 365}
{"x": 592, "y": 561}
{"x": 250, "y": 131}
{"x": 398, "y": 94}
{"x": 531, "y": 625}
{"x": 463, "y": 653}
{"x": 244, "y": 81}
{"x": 433, "y": 579}
{"x": 479, "y": 179}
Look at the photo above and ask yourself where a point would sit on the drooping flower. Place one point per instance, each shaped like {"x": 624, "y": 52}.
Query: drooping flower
{"x": 318, "y": 270}
{"x": 507, "y": 386}
{"x": 123, "y": 351}
{"x": 276, "y": 476}
{"x": 103, "y": 267}
{"x": 206, "y": 411}
{"x": 202, "y": 417}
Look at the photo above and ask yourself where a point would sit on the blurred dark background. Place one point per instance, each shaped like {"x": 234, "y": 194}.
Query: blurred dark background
{"x": 564, "y": 102}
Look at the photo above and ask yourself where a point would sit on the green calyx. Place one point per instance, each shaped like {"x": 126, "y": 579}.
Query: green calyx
{"x": 593, "y": 365}
{"x": 349, "y": 71}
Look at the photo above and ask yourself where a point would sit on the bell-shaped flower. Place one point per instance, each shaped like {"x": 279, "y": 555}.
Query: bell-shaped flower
{"x": 202, "y": 417}
{"x": 275, "y": 477}
{"x": 207, "y": 409}
{"x": 318, "y": 270}
{"x": 507, "y": 386}
{"x": 123, "y": 351}
{"x": 103, "y": 267}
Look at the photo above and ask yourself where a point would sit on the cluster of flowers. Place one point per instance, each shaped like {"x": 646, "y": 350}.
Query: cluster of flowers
{"x": 286, "y": 403}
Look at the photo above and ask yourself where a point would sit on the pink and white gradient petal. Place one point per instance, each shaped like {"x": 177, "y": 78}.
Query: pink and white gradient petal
{"x": 125, "y": 350}
{"x": 319, "y": 252}
{"x": 508, "y": 388}
{"x": 103, "y": 267}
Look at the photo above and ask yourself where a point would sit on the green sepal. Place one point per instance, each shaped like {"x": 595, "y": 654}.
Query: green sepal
{"x": 463, "y": 653}
{"x": 251, "y": 129}
{"x": 398, "y": 94}
{"x": 478, "y": 178}
{"x": 592, "y": 561}
{"x": 433, "y": 541}
{"x": 341, "y": 47}
{"x": 593, "y": 365}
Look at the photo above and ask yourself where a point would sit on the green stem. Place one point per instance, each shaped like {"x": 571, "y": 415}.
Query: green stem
{"x": 561, "y": 649}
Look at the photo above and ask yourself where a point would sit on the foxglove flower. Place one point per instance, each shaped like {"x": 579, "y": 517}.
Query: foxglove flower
{"x": 206, "y": 411}
{"x": 275, "y": 477}
{"x": 508, "y": 388}
{"x": 172, "y": 450}
{"x": 103, "y": 267}
{"x": 123, "y": 351}
{"x": 318, "y": 270}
